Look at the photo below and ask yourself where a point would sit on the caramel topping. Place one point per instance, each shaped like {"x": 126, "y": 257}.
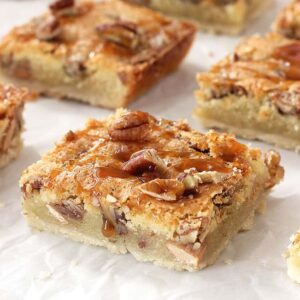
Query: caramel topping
{"x": 108, "y": 228}
{"x": 104, "y": 172}
{"x": 203, "y": 164}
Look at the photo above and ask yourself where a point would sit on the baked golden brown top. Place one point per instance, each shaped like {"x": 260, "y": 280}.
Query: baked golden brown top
{"x": 155, "y": 168}
{"x": 11, "y": 98}
{"x": 288, "y": 21}
{"x": 85, "y": 34}
{"x": 266, "y": 68}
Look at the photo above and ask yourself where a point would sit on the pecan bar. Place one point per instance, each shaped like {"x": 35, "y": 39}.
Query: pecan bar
{"x": 11, "y": 122}
{"x": 151, "y": 187}
{"x": 288, "y": 21}
{"x": 217, "y": 16}
{"x": 105, "y": 53}
{"x": 255, "y": 92}
{"x": 293, "y": 258}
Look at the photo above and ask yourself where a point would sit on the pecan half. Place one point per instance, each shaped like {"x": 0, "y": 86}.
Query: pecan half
{"x": 131, "y": 127}
{"x": 63, "y": 8}
{"x": 143, "y": 161}
{"x": 47, "y": 29}
{"x": 121, "y": 33}
{"x": 71, "y": 208}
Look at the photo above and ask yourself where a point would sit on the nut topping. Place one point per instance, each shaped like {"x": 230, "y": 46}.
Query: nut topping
{"x": 145, "y": 160}
{"x": 121, "y": 33}
{"x": 131, "y": 127}
{"x": 163, "y": 189}
{"x": 63, "y": 8}
{"x": 47, "y": 29}
{"x": 192, "y": 179}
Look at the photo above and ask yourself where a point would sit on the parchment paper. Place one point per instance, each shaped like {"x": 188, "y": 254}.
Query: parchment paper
{"x": 36, "y": 265}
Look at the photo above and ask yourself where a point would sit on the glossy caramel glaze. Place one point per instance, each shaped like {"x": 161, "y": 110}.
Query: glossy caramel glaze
{"x": 93, "y": 164}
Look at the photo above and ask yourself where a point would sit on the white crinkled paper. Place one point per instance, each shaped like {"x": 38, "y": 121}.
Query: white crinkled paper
{"x": 36, "y": 265}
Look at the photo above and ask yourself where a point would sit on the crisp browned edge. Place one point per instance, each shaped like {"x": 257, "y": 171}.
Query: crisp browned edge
{"x": 165, "y": 64}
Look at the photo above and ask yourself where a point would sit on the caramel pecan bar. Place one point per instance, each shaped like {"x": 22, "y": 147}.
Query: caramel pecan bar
{"x": 288, "y": 21}
{"x": 293, "y": 258}
{"x": 151, "y": 187}
{"x": 105, "y": 53}
{"x": 11, "y": 122}
{"x": 255, "y": 92}
{"x": 218, "y": 16}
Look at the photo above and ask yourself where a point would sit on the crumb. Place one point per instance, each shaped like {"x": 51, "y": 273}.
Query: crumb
{"x": 45, "y": 275}
{"x": 2, "y": 204}
{"x": 228, "y": 261}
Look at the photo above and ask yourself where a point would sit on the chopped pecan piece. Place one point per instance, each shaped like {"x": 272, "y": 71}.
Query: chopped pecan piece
{"x": 47, "y": 29}
{"x": 122, "y": 33}
{"x": 116, "y": 218}
{"x": 229, "y": 89}
{"x": 145, "y": 160}
{"x": 131, "y": 127}
{"x": 287, "y": 103}
{"x": 192, "y": 179}
{"x": 63, "y": 7}
{"x": 272, "y": 161}
{"x": 71, "y": 208}
{"x": 163, "y": 189}
{"x": 75, "y": 65}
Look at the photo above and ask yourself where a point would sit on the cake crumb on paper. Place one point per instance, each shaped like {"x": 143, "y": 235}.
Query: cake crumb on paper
{"x": 2, "y": 204}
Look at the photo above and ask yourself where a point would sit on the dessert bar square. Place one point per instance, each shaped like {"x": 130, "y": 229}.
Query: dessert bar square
{"x": 255, "y": 92}
{"x": 151, "y": 187}
{"x": 11, "y": 122}
{"x": 293, "y": 258}
{"x": 288, "y": 21}
{"x": 212, "y": 15}
{"x": 105, "y": 53}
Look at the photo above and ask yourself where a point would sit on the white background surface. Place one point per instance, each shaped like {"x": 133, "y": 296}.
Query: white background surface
{"x": 43, "y": 266}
